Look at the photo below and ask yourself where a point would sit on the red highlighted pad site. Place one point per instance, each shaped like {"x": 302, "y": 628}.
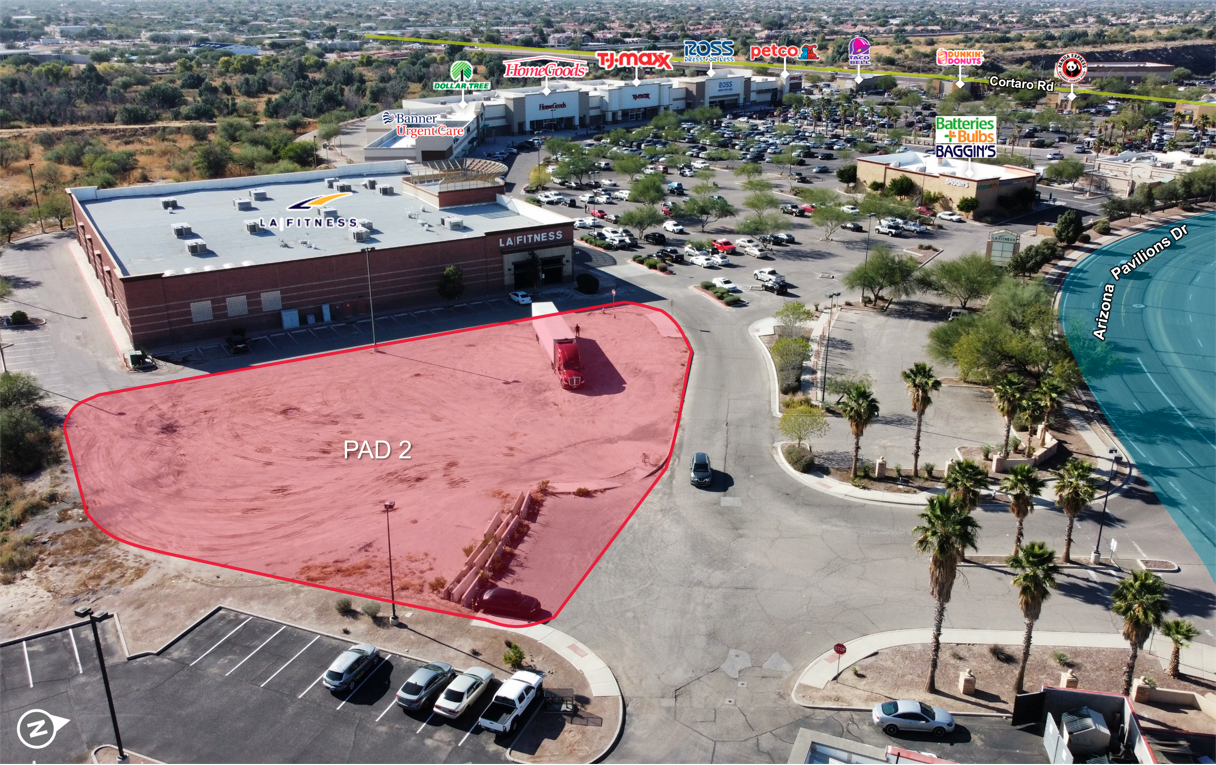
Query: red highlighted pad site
{"x": 506, "y": 485}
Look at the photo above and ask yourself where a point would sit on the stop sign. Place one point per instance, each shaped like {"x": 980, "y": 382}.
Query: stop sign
{"x": 840, "y": 649}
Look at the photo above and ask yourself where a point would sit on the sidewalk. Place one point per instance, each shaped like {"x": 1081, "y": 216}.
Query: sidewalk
{"x": 1198, "y": 660}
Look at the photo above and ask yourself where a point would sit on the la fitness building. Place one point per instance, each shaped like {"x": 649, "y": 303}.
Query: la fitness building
{"x": 952, "y": 178}
{"x": 191, "y": 260}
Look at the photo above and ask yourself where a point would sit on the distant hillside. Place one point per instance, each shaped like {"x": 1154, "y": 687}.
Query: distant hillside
{"x": 1200, "y": 58}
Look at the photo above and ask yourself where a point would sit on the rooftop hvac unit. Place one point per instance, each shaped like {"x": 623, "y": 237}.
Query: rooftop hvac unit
{"x": 342, "y": 186}
{"x": 181, "y": 229}
{"x": 453, "y": 223}
{"x": 369, "y": 183}
{"x": 1085, "y": 731}
{"x": 360, "y": 234}
{"x": 365, "y": 223}
{"x": 252, "y": 226}
{"x": 329, "y": 182}
{"x": 326, "y": 212}
{"x": 168, "y": 203}
{"x": 243, "y": 204}
{"x": 385, "y": 191}
{"x": 258, "y": 194}
{"x": 196, "y": 246}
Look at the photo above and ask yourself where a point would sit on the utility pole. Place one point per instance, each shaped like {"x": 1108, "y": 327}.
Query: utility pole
{"x": 37, "y": 204}
{"x": 105, "y": 677}
{"x": 827, "y": 343}
{"x": 389, "y": 506}
{"x": 1115, "y": 458}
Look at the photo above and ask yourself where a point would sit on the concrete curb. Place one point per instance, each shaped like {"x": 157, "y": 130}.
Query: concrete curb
{"x": 105, "y": 309}
{"x": 754, "y": 330}
{"x": 844, "y": 490}
{"x": 96, "y": 749}
{"x": 830, "y": 708}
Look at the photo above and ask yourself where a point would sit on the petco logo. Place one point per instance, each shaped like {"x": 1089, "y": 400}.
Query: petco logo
{"x": 859, "y": 52}
{"x": 804, "y": 52}
{"x": 560, "y": 68}
{"x": 311, "y": 202}
{"x": 709, "y": 51}
{"x": 641, "y": 96}
{"x": 653, "y": 59}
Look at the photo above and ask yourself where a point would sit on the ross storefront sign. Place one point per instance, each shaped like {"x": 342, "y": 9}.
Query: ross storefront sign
{"x": 725, "y": 85}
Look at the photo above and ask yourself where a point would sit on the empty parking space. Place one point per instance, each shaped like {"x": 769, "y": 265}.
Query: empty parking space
{"x": 256, "y": 681}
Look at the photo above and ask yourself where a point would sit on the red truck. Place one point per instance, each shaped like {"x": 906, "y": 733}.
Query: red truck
{"x": 559, "y": 343}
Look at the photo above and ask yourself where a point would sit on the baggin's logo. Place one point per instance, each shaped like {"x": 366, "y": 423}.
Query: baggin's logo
{"x": 859, "y": 52}
{"x": 461, "y": 73}
{"x": 709, "y": 51}
{"x": 558, "y": 68}
{"x": 964, "y": 137}
{"x": 321, "y": 201}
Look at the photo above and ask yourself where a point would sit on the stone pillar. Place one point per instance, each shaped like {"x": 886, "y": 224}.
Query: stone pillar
{"x": 1141, "y": 691}
{"x": 966, "y": 682}
{"x": 998, "y": 463}
{"x": 880, "y": 468}
{"x": 1069, "y": 679}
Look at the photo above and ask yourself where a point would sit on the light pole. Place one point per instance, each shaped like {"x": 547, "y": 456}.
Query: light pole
{"x": 105, "y": 677}
{"x": 868, "y": 230}
{"x": 37, "y": 204}
{"x": 1115, "y": 458}
{"x": 389, "y": 506}
{"x": 827, "y": 344}
{"x": 371, "y": 303}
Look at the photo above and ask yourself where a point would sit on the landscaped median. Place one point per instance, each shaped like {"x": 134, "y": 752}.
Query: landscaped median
{"x": 721, "y": 294}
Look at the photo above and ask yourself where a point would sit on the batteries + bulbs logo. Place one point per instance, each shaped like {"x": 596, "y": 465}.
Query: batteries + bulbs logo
{"x": 964, "y": 137}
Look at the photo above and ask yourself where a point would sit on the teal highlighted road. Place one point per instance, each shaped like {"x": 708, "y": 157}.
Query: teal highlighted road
{"x": 1154, "y": 373}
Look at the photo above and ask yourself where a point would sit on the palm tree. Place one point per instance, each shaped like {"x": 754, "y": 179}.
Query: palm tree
{"x": 1075, "y": 488}
{"x": 860, "y": 408}
{"x": 965, "y": 480}
{"x": 1140, "y": 600}
{"x": 1008, "y": 393}
{"x": 1181, "y": 633}
{"x": 1036, "y": 569}
{"x": 920, "y": 381}
{"x": 946, "y": 531}
{"x": 1034, "y": 411}
{"x": 1022, "y": 485}
{"x": 1051, "y": 389}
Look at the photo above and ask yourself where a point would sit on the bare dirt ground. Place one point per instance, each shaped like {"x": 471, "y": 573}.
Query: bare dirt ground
{"x": 899, "y": 673}
{"x": 247, "y": 470}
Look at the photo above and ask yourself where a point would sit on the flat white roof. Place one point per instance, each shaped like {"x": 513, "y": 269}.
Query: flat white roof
{"x": 915, "y": 162}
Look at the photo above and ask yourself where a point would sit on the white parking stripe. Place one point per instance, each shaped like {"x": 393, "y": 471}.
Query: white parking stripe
{"x": 225, "y": 637}
{"x": 242, "y": 661}
{"x": 293, "y": 658}
{"x": 309, "y": 688}
{"x": 76, "y": 651}
{"x": 28, "y": 672}
{"x": 360, "y": 685}
{"x": 391, "y": 704}
{"x": 476, "y": 725}
{"x": 428, "y": 720}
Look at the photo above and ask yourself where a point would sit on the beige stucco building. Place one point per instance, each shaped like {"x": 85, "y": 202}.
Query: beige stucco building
{"x": 952, "y": 178}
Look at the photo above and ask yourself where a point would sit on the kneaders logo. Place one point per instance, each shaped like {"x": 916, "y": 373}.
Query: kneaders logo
{"x": 964, "y": 137}
{"x": 461, "y": 73}
{"x": 709, "y": 51}
{"x": 803, "y": 52}
{"x": 557, "y": 68}
{"x": 859, "y": 52}
{"x": 312, "y": 203}
{"x": 950, "y": 57}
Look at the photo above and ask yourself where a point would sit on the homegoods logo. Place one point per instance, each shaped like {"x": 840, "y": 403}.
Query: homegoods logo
{"x": 549, "y": 107}
{"x": 560, "y": 68}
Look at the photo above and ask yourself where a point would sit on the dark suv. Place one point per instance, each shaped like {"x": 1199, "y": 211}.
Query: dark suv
{"x": 702, "y": 473}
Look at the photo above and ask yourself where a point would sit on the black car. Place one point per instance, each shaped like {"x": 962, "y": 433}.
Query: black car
{"x": 655, "y": 237}
{"x": 507, "y": 602}
{"x": 827, "y": 155}
{"x": 671, "y": 254}
{"x": 778, "y": 288}
{"x": 701, "y": 472}
{"x": 237, "y": 344}
{"x": 852, "y": 226}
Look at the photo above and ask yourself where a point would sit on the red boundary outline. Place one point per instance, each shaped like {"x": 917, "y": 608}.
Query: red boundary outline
{"x": 661, "y": 473}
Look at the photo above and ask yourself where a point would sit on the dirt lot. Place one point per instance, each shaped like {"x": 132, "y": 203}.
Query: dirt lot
{"x": 899, "y": 673}
{"x": 248, "y": 470}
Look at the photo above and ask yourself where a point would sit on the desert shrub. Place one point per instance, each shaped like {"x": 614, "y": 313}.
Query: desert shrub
{"x": 437, "y": 584}
{"x": 587, "y": 284}
{"x": 999, "y": 653}
{"x": 1102, "y": 227}
{"x": 26, "y": 443}
{"x": 789, "y": 354}
{"x": 513, "y": 657}
{"x": 800, "y": 458}
{"x": 707, "y": 285}
{"x": 1084, "y": 238}
{"x": 17, "y": 554}
{"x": 639, "y": 258}
{"x": 343, "y": 605}
{"x": 864, "y": 469}
{"x": 986, "y": 450}
{"x": 468, "y": 549}
{"x": 371, "y": 608}
{"x": 1061, "y": 658}
{"x": 899, "y": 471}
{"x": 732, "y": 299}
{"x": 582, "y": 491}
{"x": 652, "y": 263}
{"x": 929, "y": 466}
{"x": 19, "y": 318}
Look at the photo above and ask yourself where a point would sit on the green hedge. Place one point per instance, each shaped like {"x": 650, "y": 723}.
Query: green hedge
{"x": 799, "y": 458}
{"x": 789, "y": 354}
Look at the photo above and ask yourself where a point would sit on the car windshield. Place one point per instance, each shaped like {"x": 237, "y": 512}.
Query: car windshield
{"x": 333, "y": 676}
{"x": 411, "y": 688}
{"x": 700, "y": 467}
{"x": 889, "y": 708}
{"x": 927, "y": 711}
{"x": 453, "y": 695}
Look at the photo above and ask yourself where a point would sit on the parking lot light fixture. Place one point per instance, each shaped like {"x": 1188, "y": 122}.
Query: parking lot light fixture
{"x": 1115, "y": 458}
{"x": 389, "y": 507}
{"x": 827, "y": 342}
{"x": 94, "y": 618}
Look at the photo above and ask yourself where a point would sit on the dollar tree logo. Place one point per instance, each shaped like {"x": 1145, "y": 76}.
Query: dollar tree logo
{"x": 461, "y": 71}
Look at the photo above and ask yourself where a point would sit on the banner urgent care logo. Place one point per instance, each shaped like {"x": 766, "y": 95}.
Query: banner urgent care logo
{"x": 558, "y": 68}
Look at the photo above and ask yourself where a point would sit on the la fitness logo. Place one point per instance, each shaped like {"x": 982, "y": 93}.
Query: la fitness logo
{"x": 1072, "y": 68}
{"x": 318, "y": 201}
{"x": 557, "y": 68}
{"x": 859, "y": 52}
{"x": 802, "y": 52}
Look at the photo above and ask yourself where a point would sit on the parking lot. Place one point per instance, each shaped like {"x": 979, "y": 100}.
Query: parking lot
{"x": 237, "y": 688}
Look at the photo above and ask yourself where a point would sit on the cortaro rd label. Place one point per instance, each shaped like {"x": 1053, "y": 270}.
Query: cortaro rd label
{"x": 653, "y": 59}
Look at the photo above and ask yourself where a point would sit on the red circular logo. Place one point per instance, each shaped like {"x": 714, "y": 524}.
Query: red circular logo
{"x": 839, "y": 648}
{"x": 1071, "y": 68}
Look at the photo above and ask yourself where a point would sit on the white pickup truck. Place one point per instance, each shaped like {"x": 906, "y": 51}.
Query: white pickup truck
{"x": 511, "y": 701}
